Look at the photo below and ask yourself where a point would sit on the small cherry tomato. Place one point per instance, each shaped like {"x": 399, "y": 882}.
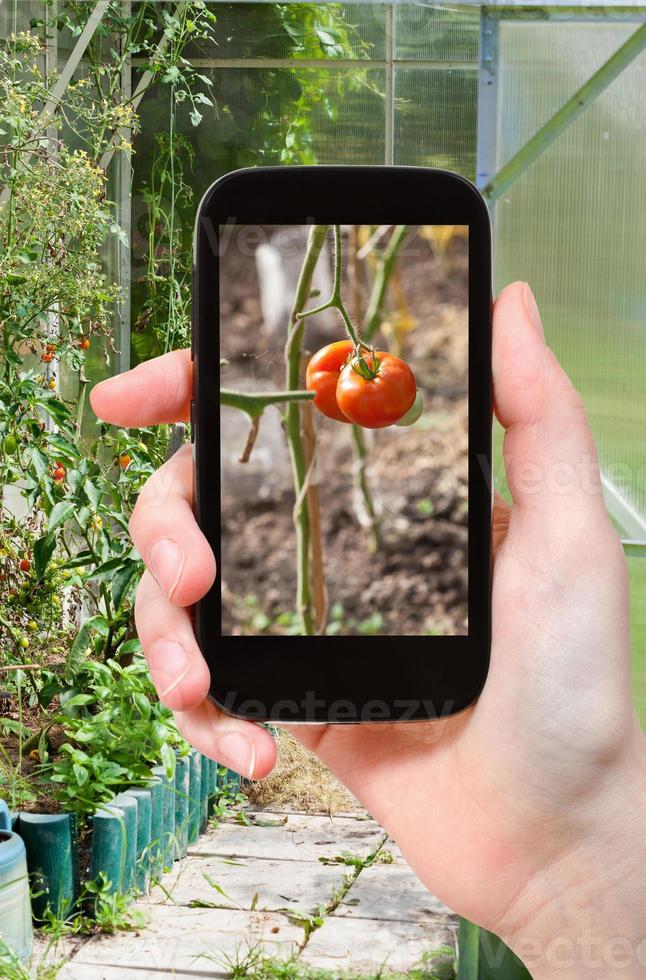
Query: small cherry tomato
{"x": 380, "y": 401}
{"x": 322, "y": 375}
{"x": 46, "y": 357}
{"x": 23, "y": 642}
{"x": 124, "y": 461}
{"x": 51, "y": 348}
{"x": 24, "y": 565}
{"x": 84, "y": 343}
{"x": 32, "y": 625}
{"x": 10, "y": 445}
{"x": 58, "y": 473}
{"x": 413, "y": 413}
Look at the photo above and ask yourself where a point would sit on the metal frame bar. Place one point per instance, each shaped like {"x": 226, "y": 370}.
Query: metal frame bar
{"x": 53, "y": 369}
{"x": 389, "y": 120}
{"x": 625, "y": 513}
{"x": 565, "y": 116}
{"x": 487, "y": 140}
{"x": 124, "y": 219}
{"x": 325, "y": 63}
{"x": 624, "y": 13}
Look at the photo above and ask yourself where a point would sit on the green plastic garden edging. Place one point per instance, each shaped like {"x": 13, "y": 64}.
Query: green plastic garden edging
{"x": 194, "y": 796}
{"x": 168, "y": 816}
{"x": 52, "y": 858}
{"x": 484, "y": 956}
{"x": 135, "y": 836}
{"x": 182, "y": 777}
{"x": 204, "y": 794}
{"x": 144, "y": 823}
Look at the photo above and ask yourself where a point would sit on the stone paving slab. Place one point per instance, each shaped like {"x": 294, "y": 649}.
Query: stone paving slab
{"x": 386, "y": 920}
{"x": 247, "y": 882}
{"x": 370, "y": 946}
{"x": 87, "y": 971}
{"x": 195, "y": 941}
{"x": 298, "y": 838}
{"x": 392, "y": 892}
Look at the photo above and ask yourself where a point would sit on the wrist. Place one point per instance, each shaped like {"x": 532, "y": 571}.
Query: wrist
{"x": 583, "y": 914}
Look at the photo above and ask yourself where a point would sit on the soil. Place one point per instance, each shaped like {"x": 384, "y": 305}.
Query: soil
{"x": 416, "y": 582}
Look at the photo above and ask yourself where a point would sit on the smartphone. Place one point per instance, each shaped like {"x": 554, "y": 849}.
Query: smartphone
{"x": 341, "y": 421}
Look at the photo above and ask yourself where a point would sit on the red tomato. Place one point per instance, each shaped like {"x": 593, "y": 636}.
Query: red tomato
{"x": 322, "y": 374}
{"x": 380, "y": 401}
{"x": 25, "y": 564}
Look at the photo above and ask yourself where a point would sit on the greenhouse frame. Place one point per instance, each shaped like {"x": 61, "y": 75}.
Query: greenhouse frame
{"x": 531, "y": 122}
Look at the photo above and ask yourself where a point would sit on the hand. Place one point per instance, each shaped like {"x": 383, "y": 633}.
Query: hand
{"x": 525, "y": 813}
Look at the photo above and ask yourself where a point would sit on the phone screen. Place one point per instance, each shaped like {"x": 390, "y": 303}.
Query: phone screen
{"x": 333, "y": 526}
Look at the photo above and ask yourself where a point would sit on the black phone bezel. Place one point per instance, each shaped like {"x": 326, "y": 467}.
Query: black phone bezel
{"x": 343, "y": 678}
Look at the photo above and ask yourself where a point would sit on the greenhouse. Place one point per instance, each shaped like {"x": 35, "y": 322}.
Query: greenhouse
{"x": 116, "y": 116}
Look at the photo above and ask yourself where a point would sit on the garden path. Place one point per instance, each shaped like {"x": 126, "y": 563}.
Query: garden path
{"x": 332, "y": 892}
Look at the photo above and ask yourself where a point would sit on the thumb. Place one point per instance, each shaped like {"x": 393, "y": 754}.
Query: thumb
{"x": 550, "y": 456}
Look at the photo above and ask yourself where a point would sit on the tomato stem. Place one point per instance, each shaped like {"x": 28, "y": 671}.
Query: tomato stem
{"x": 385, "y": 270}
{"x": 335, "y": 302}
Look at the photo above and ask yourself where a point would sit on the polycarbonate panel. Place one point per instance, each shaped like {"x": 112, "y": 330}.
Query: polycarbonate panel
{"x": 254, "y": 109}
{"x": 436, "y": 118}
{"x": 304, "y": 30}
{"x": 16, "y": 15}
{"x": 573, "y": 226}
{"x": 433, "y": 33}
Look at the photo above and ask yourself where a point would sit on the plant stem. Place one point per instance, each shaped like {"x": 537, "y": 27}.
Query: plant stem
{"x": 336, "y": 302}
{"x": 296, "y": 326}
{"x": 386, "y": 265}
{"x": 364, "y": 486}
{"x": 254, "y": 403}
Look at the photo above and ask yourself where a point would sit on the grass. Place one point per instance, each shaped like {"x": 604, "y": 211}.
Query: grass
{"x": 11, "y": 967}
{"x": 437, "y": 964}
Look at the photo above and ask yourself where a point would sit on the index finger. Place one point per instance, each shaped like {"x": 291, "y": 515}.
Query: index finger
{"x": 155, "y": 392}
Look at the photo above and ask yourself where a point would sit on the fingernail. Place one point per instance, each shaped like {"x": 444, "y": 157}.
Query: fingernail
{"x": 532, "y": 310}
{"x": 165, "y": 562}
{"x": 169, "y": 664}
{"x": 237, "y": 751}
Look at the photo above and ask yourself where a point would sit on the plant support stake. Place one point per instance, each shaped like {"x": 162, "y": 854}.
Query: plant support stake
{"x": 293, "y": 427}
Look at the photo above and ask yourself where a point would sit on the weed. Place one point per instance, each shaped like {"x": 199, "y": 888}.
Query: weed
{"x": 11, "y": 968}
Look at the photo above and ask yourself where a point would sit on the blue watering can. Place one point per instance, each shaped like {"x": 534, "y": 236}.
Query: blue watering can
{"x": 15, "y": 904}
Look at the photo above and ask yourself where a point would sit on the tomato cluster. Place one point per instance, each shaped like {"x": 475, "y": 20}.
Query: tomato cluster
{"x": 372, "y": 389}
